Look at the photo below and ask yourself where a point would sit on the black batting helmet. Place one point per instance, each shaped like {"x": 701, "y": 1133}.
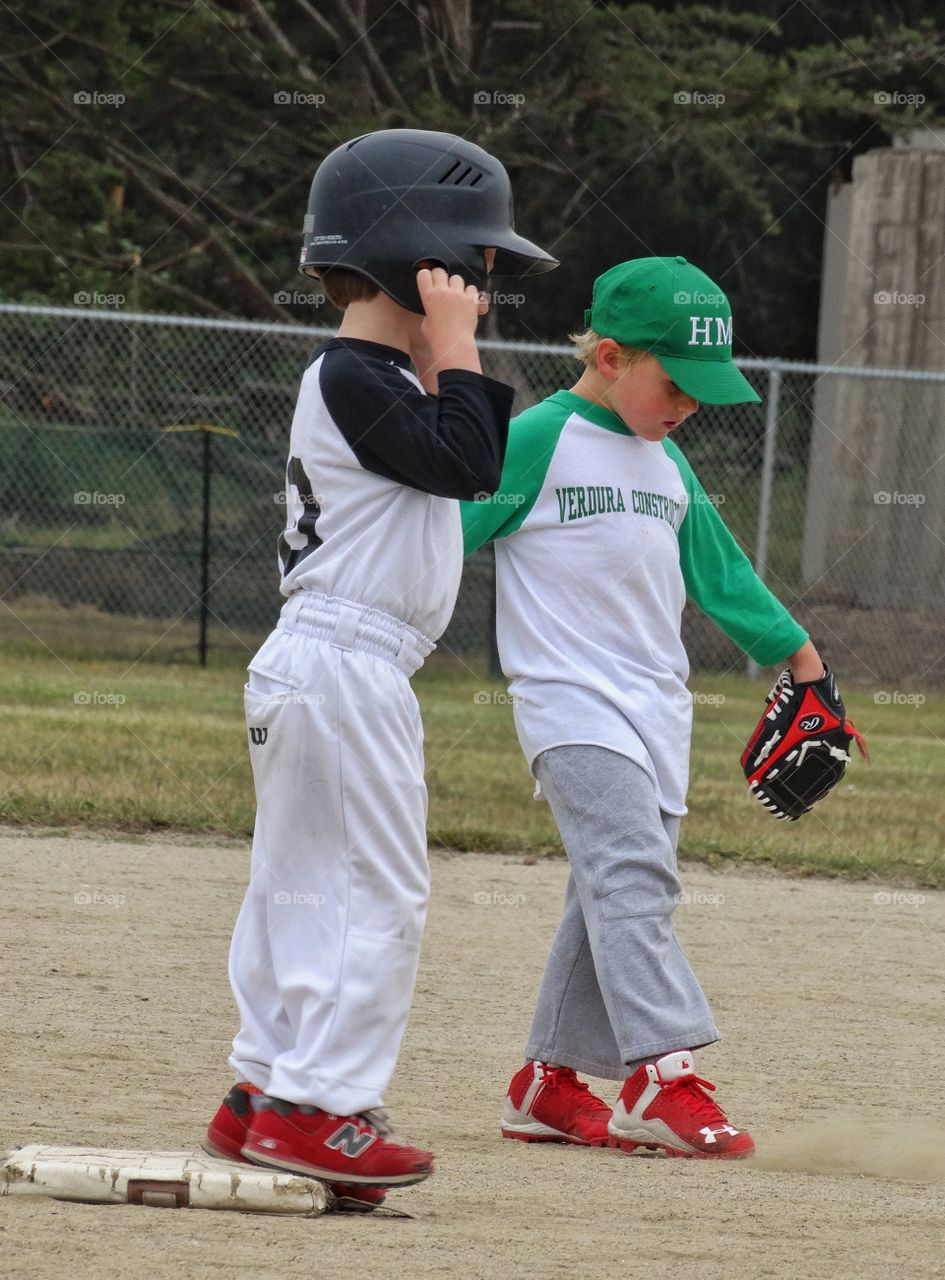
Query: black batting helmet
{"x": 387, "y": 201}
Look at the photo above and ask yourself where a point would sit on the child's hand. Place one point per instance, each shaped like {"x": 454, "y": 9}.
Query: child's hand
{"x": 806, "y": 664}
{"x": 448, "y": 329}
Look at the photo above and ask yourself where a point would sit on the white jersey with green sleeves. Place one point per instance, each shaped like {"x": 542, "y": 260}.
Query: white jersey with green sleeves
{"x": 600, "y": 536}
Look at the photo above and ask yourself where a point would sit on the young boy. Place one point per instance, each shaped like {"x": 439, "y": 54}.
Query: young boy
{"x": 601, "y": 531}
{"x": 403, "y": 226}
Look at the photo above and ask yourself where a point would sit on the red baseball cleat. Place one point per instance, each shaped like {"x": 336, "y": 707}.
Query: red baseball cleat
{"x": 357, "y": 1150}
{"x": 550, "y": 1104}
{"x": 664, "y": 1106}
{"x": 228, "y": 1128}
{"x": 227, "y": 1134}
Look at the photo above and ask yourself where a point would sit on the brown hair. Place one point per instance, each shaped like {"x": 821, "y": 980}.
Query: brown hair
{"x": 342, "y": 286}
{"x": 585, "y": 348}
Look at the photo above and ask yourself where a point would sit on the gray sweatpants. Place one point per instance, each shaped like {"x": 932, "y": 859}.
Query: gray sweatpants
{"x": 617, "y": 987}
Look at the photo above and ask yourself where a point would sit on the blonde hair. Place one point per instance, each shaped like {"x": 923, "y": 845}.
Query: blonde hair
{"x": 585, "y": 348}
{"x": 342, "y": 286}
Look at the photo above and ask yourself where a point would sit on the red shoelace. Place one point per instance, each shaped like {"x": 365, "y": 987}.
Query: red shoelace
{"x": 696, "y": 1099}
{"x": 557, "y": 1077}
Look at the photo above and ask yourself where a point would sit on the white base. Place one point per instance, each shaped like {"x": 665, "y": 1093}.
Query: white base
{"x": 162, "y": 1179}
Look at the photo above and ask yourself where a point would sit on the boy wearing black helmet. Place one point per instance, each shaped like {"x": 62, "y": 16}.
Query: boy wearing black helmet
{"x": 402, "y": 229}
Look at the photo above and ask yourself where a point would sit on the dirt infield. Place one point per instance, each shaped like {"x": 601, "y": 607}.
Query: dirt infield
{"x": 117, "y": 1017}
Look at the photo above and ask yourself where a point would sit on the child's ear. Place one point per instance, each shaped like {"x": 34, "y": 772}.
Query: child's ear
{"x": 608, "y": 359}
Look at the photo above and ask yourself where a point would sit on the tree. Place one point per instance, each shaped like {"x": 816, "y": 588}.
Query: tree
{"x": 160, "y": 151}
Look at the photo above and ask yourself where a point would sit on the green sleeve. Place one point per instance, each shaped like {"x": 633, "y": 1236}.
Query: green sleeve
{"x": 720, "y": 579}
{"x": 533, "y": 437}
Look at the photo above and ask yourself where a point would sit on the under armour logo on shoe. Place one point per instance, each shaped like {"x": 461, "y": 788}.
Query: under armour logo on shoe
{"x": 710, "y": 1133}
{"x": 258, "y": 736}
{"x": 350, "y": 1140}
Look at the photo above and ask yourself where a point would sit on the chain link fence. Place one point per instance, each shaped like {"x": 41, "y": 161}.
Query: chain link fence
{"x": 143, "y": 470}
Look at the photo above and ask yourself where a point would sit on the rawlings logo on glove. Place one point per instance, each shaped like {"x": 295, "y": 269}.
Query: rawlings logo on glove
{"x": 800, "y": 747}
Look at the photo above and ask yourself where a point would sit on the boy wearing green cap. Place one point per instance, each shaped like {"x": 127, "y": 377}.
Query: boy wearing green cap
{"x": 601, "y": 531}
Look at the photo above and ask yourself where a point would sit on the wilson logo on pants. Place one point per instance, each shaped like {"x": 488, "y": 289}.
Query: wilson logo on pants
{"x": 350, "y": 1140}
{"x": 258, "y": 736}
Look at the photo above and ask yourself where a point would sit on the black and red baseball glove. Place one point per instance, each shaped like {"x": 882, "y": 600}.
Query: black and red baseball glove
{"x": 800, "y": 747}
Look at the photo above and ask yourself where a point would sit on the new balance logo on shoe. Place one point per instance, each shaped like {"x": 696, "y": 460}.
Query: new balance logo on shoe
{"x": 258, "y": 736}
{"x": 348, "y": 1152}
{"x": 350, "y": 1141}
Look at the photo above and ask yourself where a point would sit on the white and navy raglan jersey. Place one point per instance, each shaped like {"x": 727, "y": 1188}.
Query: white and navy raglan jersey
{"x": 375, "y": 468}
{"x": 600, "y": 536}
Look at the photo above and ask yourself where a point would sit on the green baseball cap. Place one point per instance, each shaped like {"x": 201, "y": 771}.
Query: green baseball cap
{"x": 670, "y": 308}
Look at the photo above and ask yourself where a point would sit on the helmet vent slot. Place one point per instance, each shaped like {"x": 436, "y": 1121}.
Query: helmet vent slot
{"x": 456, "y": 175}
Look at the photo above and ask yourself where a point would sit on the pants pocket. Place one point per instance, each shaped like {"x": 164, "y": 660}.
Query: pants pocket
{"x": 268, "y": 684}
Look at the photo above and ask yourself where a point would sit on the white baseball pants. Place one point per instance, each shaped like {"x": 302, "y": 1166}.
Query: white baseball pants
{"x": 325, "y": 951}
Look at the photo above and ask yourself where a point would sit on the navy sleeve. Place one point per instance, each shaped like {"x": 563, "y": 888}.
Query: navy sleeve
{"x": 451, "y": 445}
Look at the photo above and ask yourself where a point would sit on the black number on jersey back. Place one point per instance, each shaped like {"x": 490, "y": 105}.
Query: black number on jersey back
{"x": 298, "y": 491}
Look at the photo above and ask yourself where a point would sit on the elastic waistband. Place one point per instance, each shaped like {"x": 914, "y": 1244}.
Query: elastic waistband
{"x": 348, "y": 625}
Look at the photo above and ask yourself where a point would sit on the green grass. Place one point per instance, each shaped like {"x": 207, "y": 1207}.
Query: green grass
{"x": 37, "y": 627}
{"x": 172, "y": 757}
